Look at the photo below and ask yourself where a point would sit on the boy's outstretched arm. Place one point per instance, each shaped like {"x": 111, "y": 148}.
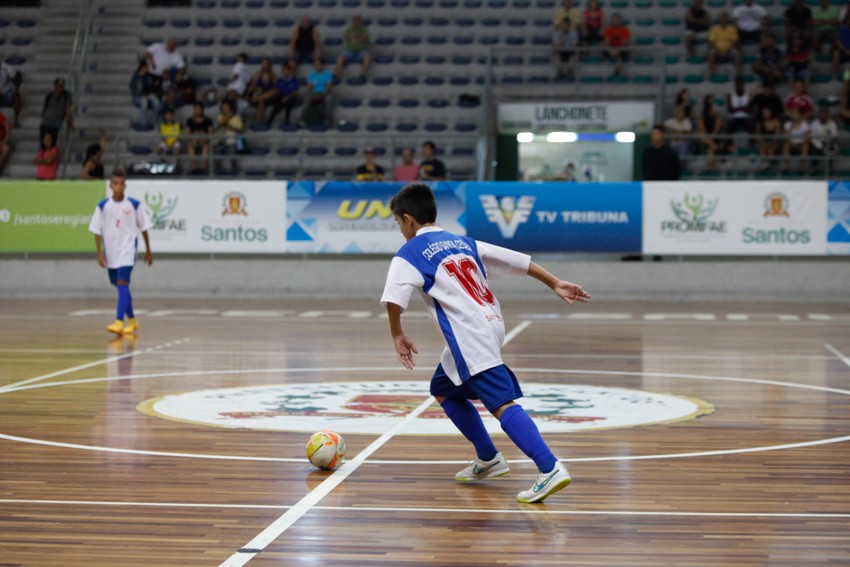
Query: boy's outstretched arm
{"x": 404, "y": 348}
{"x": 567, "y": 291}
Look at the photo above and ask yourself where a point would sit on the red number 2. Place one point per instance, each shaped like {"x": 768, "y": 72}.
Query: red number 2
{"x": 466, "y": 273}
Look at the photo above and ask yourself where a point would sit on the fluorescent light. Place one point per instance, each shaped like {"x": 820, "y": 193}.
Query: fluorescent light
{"x": 625, "y": 137}
{"x": 525, "y": 137}
{"x": 561, "y": 137}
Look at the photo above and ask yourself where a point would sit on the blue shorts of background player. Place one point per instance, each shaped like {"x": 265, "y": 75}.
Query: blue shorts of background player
{"x": 120, "y": 274}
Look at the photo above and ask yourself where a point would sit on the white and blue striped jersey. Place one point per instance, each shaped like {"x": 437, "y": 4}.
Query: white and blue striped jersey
{"x": 118, "y": 223}
{"x": 450, "y": 272}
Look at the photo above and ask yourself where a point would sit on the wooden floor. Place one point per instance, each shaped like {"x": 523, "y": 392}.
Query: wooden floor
{"x": 87, "y": 478}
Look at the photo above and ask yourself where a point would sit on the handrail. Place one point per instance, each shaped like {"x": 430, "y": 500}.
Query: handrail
{"x": 75, "y": 70}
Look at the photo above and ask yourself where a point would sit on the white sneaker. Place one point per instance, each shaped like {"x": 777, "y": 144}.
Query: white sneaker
{"x": 546, "y": 484}
{"x": 479, "y": 469}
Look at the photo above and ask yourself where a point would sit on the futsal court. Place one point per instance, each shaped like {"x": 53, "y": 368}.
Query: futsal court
{"x": 711, "y": 434}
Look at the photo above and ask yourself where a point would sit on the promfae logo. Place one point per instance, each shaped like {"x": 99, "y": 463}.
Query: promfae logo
{"x": 161, "y": 211}
{"x": 507, "y": 212}
{"x": 234, "y": 204}
{"x": 776, "y": 205}
{"x": 693, "y": 215}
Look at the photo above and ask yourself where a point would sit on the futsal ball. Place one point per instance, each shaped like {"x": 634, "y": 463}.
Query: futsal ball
{"x": 325, "y": 449}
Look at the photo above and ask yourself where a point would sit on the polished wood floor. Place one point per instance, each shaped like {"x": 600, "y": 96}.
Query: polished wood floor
{"x": 88, "y": 479}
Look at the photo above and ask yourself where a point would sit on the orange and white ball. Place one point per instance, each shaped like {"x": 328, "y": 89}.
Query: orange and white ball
{"x": 326, "y": 449}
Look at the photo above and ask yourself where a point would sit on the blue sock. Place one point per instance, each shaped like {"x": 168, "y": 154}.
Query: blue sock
{"x": 130, "y": 313}
{"x": 525, "y": 435}
{"x": 123, "y": 300}
{"x": 467, "y": 419}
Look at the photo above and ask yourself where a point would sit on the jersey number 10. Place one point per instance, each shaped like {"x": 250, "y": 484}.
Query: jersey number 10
{"x": 466, "y": 273}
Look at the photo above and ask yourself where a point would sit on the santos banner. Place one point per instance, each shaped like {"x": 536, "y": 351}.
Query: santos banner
{"x": 213, "y": 216}
{"x": 742, "y": 218}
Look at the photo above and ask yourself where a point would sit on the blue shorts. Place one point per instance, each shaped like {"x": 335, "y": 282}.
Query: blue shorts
{"x": 122, "y": 273}
{"x": 494, "y": 387}
{"x": 6, "y": 99}
{"x": 353, "y": 56}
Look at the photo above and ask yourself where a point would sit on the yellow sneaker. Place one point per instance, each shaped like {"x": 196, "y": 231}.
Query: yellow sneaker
{"x": 117, "y": 327}
{"x": 132, "y": 326}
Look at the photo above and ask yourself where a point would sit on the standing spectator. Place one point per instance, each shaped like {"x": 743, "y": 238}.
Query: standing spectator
{"x": 143, "y": 88}
{"x": 262, "y": 89}
{"x": 305, "y": 42}
{"x": 844, "y": 105}
{"x": 431, "y": 168}
{"x": 592, "y": 24}
{"x": 800, "y": 101}
{"x": 680, "y": 128}
{"x": 697, "y": 22}
{"x": 200, "y": 125}
{"x": 239, "y": 77}
{"x": 166, "y": 63}
{"x": 796, "y": 131}
{"x": 797, "y": 59}
{"x": 5, "y": 140}
{"x": 567, "y": 13}
{"x": 841, "y": 45}
{"x": 407, "y": 171}
{"x": 287, "y": 92}
{"x": 824, "y": 25}
{"x": 769, "y": 65}
{"x": 58, "y": 108}
{"x": 723, "y": 44}
{"x": 170, "y": 131}
{"x": 10, "y": 89}
{"x": 47, "y": 159}
{"x": 564, "y": 42}
{"x": 798, "y": 21}
{"x": 231, "y": 124}
{"x": 738, "y": 103}
{"x": 356, "y": 47}
{"x": 92, "y": 166}
{"x": 617, "y": 38}
{"x": 767, "y": 98}
{"x": 769, "y": 130}
{"x": 710, "y": 124}
{"x": 824, "y": 139}
{"x": 319, "y": 86}
{"x": 750, "y": 19}
{"x": 369, "y": 171}
{"x": 660, "y": 161}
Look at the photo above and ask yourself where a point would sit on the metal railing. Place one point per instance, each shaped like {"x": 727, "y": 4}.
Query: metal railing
{"x": 76, "y": 66}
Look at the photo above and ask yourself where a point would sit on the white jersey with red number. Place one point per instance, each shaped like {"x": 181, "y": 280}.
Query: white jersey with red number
{"x": 118, "y": 223}
{"x": 450, "y": 272}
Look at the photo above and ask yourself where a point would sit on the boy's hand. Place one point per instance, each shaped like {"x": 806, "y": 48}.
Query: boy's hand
{"x": 148, "y": 258}
{"x": 101, "y": 259}
{"x": 403, "y": 349}
{"x": 571, "y": 292}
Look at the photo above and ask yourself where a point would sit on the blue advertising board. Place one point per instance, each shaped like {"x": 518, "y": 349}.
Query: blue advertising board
{"x": 354, "y": 217}
{"x": 564, "y": 217}
{"x": 838, "y": 220}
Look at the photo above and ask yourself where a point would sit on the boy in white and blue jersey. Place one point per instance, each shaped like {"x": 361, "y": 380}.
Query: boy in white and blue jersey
{"x": 116, "y": 223}
{"x": 450, "y": 272}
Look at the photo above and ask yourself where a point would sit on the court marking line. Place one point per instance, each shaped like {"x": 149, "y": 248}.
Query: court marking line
{"x": 280, "y": 525}
{"x": 838, "y": 354}
{"x": 16, "y": 385}
{"x": 525, "y": 510}
{"x": 516, "y": 331}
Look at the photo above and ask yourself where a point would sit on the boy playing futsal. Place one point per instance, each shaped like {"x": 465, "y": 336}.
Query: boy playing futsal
{"x": 450, "y": 272}
{"x": 116, "y": 223}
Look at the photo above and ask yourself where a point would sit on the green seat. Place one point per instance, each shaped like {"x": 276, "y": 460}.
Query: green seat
{"x": 716, "y": 3}
{"x": 749, "y": 78}
{"x": 765, "y": 3}
{"x": 643, "y": 4}
{"x": 594, "y": 59}
{"x": 671, "y": 79}
{"x": 643, "y": 79}
{"x": 720, "y": 102}
{"x": 672, "y": 22}
{"x": 644, "y": 60}
{"x": 645, "y": 40}
{"x": 645, "y": 22}
{"x": 671, "y": 40}
{"x": 708, "y": 174}
{"x": 830, "y": 101}
{"x": 672, "y": 59}
{"x": 744, "y": 151}
{"x": 822, "y": 78}
{"x": 696, "y": 60}
{"x": 750, "y": 59}
{"x": 719, "y": 79}
{"x": 667, "y": 3}
{"x": 694, "y": 79}
{"x": 592, "y": 79}
{"x": 620, "y": 4}
{"x": 617, "y": 79}
{"x": 823, "y": 58}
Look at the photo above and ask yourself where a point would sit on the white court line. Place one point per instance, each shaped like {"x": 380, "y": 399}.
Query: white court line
{"x": 10, "y": 387}
{"x": 521, "y": 510}
{"x": 837, "y": 353}
{"x": 516, "y": 331}
{"x": 276, "y": 528}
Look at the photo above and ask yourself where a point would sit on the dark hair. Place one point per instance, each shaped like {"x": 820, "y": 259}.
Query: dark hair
{"x": 416, "y": 200}
{"x": 660, "y": 128}
{"x": 119, "y": 172}
{"x": 430, "y": 144}
{"x": 92, "y": 150}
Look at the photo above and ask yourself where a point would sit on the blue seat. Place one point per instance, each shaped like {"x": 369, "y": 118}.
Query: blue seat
{"x": 408, "y": 81}
{"x": 382, "y": 81}
{"x": 491, "y": 22}
{"x": 409, "y": 59}
{"x": 346, "y": 151}
{"x": 517, "y": 22}
{"x": 231, "y": 4}
{"x": 232, "y": 24}
{"x": 377, "y": 126}
{"x": 355, "y": 81}
{"x": 255, "y": 4}
{"x": 541, "y": 40}
{"x": 350, "y": 103}
{"x": 326, "y": 4}
{"x": 384, "y": 40}
{"x": 140, "y": 150}
{"x": 286, "y": 151}
{"x": 461, "y": 60}
{"x": 351, "y": 3}
{"x": 438, "y": 103}
{"x": 206, "y": 23}
{"x": 462, "y": 40}
{"x": 515, "y": 40}
{"x": 379, "y": 102}
{"x": 181, "y": 23}
{"x": 258, "y": 23}
{"x": 488, "y": 39}
{"x": 462, "y": 152}
{"x": 438, "y": 22}
{"x": 513, "y": 60}
{"x": 142, "y": 127}
{"x": 202, "y": 60}
{"x": 284, "y": 23}
{"x": 256, "y": 173}
{"x": 333, "y": 41}
{"x": 437, "y": 40}
{"x": 459, "y": 81}
{"x": 153, "y": 24}
{"x": 204, "y": 41}
{"x": 387, "y": 22}
{"x": 406, "y": 127}
{"x": 464, "y": 22}
{"x": 376, "y": 3}
{"x": 335, "y": 22}
{"x": 383, "y": 59}
{"x": 346, "y": 126}
{"x": 411, "y": 40}
{"x": 255, "y": 127}
{"x": 401, "y": 4}
{"x": 435, "y": 127}
{"x": 466, "y": 126}
{"x": 205, "y": 4}
{"x": 316, "y": 151}
{"x": 413, "y": 21}
{"x": 227, "y": 60}
{"x": 427, "y": 4}
{"x": 435, "y": 60}
{"x": 408, "y": 103}
{"x": 292, "y": 127}
{"x": 448, "y": 4}
{"x": 469, "y": 102}
{"x": 255, "y": 41}
{"x": 435, "y": 81}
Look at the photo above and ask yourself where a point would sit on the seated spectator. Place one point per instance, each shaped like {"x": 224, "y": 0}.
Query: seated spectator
{"x": 143, "y": 89}
{"x": 58, "y": 108}
{"x": 592, "y": 24}
{"x": 798, "y": 21}
{"x": 564, "y": 42}
{"x": 709, "y": 125}
{"x": 738, "y": 105}
{"x": 231, "y": 124}
{"x": 844, "y": 105}
{"x": 723, "y": 44}
{"x": 319, "y": 86}
{"x": 660, "y": 161}
{"x": 200, "y": 125}
{"x": 10, "y": 89}
{"x": 166, "y": 64}
{"x": 567, "y": 174}
{"x": 239, "y": 77}
{"x": 5, "y": 140}
{"x": 369, "y": 171}
{"x": 567, "y": 13}
{"x": 47, "y": 159}
{"x": 697, "y": 22}
{"x": 431, "y": 168}
{"x": 407, "y": 171}
{"x": 769, "y": 65}
{"x": 680, "y": 128}
{"x": 824, "y": 25}
{"x": 287, "y": 92}
{"x": 797, "y": 59}
{"x": 617, "y": 39}
{"x": 823, "y": 139}
{"x": 767, "y": 98}
{"x": 841, "y": 45}
{"x": 356, "y": 47}
{"x": 170, "y": 131}
{"x": 796, "y": 131}
{"x": 262, "y": 89}
{"x": 683, "y": 99}
{"x": 92, "y": 166}
{"x": 769, "y": 130}
{"x": 800, "y": 101}
{"x": 305, "y": 42}
{"x": 750, "y": 20}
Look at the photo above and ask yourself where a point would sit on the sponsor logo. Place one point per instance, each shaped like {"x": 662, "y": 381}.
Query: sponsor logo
{"x": 776, "y": 205}
{"x": 584, "y": 217}
{"x": 363, "y": 209}
{"x": 693, "y": 216}
{"x": 507, "y": 212}
{"x": 161, "y": 210}
{"x": 234, "y": 204}
{"x": 5, "y": 215}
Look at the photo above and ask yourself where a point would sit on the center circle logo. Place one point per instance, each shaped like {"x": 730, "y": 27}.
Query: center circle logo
{"x": 375, "y": 407}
